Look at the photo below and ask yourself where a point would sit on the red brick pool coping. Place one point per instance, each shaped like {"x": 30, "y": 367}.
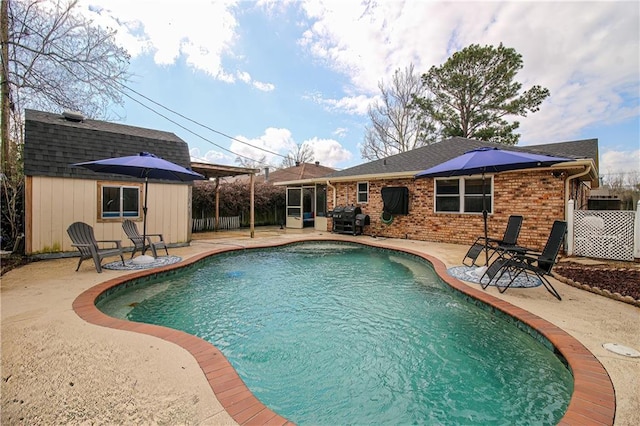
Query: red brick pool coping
{"x": 592, "y": 402}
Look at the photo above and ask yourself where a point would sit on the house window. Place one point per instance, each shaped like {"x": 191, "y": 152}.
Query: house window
{"x": 363, "y": 192}
{"x": 463, "y": 195}
{"x": 119, "y": 201}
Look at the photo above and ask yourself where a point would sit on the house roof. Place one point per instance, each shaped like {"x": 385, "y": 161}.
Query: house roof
{"x": 301, "y": 171}
{"x": 53, "y": 143}
{"x": 409, "y": 163}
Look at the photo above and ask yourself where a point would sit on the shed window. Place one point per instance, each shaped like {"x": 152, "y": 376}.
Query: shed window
{"x": 363, "y": 192}
{"x": 118, "y": 202}
{"x": 463, "y": 195}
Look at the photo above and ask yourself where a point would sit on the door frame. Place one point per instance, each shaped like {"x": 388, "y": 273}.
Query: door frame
{"x": 294, "y": 210}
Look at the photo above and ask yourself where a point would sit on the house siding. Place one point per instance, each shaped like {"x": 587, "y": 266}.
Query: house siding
{"x": 55, "y": 203}
{"x": 536, "y": 195}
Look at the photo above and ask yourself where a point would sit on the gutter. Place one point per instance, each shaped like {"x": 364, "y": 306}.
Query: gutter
{"x": 351, "y": 178}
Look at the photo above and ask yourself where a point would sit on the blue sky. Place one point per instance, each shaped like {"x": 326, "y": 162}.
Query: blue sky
{"x": 278, "y": 73}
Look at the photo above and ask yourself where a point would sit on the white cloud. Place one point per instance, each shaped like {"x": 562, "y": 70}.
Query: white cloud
{"x": 612, "y": 162}
{"x": 590, "y": 67}
{"x": 276, "y": 143}
{"x": 586, "y": 53}
{"x": 328, "y": 151}
{"x": 194, "y": 153}
{"x": 168, "y": 30}
{"x": 368, "y": 41}
{"x": 273, "y": 144}
{"x": 341, "y": 132}
{"x": 354, "y": 105}
{"x": 265, "y": 87}
{"x": 211, "y": 156}
{"x": 173, "y": 30}
{"x": 246, "y": 78}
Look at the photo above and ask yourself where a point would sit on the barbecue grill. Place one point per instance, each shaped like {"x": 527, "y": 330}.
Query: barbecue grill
{"x": 349, "y": 220}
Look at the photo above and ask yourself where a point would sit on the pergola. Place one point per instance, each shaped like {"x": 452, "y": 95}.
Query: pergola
{"x": 217, "y": 171}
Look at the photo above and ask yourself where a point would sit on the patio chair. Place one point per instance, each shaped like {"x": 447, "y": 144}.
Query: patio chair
{"x": 137, "y": 239}
{"x": 83, "y": 238}
{"x": 519, "y": 260}
{"x": 509, "y": 239}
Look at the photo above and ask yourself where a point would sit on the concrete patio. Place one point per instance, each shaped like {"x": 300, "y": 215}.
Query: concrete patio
{"x": 57, "y": 368}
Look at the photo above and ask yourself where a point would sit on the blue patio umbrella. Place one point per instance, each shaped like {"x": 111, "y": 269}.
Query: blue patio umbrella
{"x": 489, "y": 160}
{"x": 144, "y": 165}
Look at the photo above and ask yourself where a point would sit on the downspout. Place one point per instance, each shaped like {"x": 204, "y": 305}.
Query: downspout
{"x": 216, "y": 226}
{"x": 568, "y": 180}
{"x": 334, "y": 193}
{"x": 335, "y": 199}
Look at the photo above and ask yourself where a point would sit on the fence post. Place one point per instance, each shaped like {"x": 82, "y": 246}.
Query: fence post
{"x": 636, "y": 233}
{"x": 570, "y": 230}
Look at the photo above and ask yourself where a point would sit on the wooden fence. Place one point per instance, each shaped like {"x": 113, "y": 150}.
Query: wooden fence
{"x": 209, "y": 223}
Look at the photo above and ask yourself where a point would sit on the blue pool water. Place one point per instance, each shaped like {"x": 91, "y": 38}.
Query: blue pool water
{"x": 329, "y": 333}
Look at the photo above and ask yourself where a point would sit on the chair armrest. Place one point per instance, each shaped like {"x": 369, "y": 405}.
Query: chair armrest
{"x": 520, "y": 250}
{"x": 522, "y": 256}
{"x": 118, "y": 243}
{"x": 81, "y": 245}
{"x": 156, "y": 235}
{"x": 488, "y": 239}
{"x": 531, "y": 260}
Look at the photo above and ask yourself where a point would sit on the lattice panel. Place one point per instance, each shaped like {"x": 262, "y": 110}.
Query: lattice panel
{"x": 604, "y": 234}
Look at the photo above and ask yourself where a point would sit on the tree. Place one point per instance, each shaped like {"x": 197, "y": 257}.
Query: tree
{"x": 397, "y": 125}
{"x": 56, "y": 59}
{"x": 302, "y": 153}
{"x": 474, "y": 92}
{"x": 250, "y": 163}
{"x": 626, "y": 186}
{"x": 12, "y": 202}
{"x": 52, "y": 58}
{"x": 269, "y": 201}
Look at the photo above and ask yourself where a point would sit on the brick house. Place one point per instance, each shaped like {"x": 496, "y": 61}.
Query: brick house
{"x": 540, "y": 195}
{"x": 57, "y": 194}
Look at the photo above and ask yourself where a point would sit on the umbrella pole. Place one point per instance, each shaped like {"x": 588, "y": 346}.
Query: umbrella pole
{"x": 484, "y": 217}
{"x": 144, "y": 212}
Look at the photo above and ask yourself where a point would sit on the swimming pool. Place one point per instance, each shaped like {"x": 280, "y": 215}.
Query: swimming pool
{"x": 323, "y": 332}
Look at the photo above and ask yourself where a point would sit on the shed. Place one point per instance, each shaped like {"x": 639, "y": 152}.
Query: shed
{"x": 57, "y": 194}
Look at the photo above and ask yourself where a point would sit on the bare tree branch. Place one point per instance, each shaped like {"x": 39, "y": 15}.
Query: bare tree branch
{"x": 302, "y": 153}
{"x": 52, "y": 59}
{"x": 59, "y": 59}
{"x": 396, "y": 124}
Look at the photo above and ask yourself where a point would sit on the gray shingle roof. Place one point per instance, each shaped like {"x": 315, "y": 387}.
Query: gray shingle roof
{"x": 431, "y": 155}
{"x": 52, "y": 143}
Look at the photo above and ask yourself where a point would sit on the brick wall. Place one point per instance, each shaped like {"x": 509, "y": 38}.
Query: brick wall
{"x": 537, "y": 196}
